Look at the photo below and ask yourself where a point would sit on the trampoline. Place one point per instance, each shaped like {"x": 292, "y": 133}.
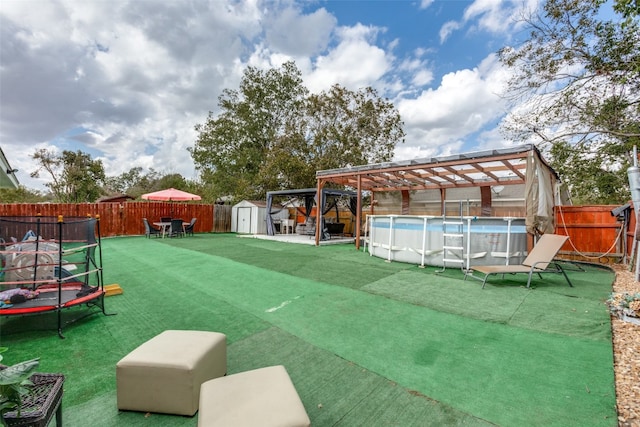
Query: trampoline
{"x": 49, "y": 264}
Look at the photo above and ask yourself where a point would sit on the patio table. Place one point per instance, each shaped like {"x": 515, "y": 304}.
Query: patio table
{"x": 166, "y": 226}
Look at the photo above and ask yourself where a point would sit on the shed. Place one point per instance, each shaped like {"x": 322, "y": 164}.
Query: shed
{"x": 250, "y": 217}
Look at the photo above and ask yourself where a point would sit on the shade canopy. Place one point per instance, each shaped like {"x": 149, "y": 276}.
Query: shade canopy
{"x": 309, "y": 197}
{"x": 171, "y": 195}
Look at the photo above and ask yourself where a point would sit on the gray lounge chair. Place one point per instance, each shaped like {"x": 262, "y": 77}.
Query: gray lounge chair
{"x": 538, "y": 261}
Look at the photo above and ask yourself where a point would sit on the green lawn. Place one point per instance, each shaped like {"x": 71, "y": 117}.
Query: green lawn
{"x": 366, "y": 342}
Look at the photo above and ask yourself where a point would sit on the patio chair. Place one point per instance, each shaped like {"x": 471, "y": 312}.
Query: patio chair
{"x": 165, "y": 219}
{"x": 538, "y": 261}
{"x": 188, "y": 230}
{"x": 150, "y": 229}
{"x": 310, "y": 226}
{"x": 177, "y": 229}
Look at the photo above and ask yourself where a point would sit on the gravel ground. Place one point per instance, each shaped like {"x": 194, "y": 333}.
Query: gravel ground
{"x": 626, "y": 353}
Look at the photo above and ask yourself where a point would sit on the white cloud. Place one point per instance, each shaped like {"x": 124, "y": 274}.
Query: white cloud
{"x": 354, "y": 63}
{"x": 139, "y": 80}
{"x": 447, "y": 29}
{"x": 293, "y": 33}
{"x": 422, "y": 77}
{"x": 425, "y": 3}
{"x": 421, "y": 74}
{"x": 492, "y": 16}
{"x": 466, "y": 101}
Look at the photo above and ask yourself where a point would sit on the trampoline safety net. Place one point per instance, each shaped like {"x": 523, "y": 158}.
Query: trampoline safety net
{"x": 49, "y": 264}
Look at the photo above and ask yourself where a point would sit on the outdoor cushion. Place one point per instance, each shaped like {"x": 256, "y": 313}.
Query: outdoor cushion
{"x": 165, "y": 373}
{"x": 263, "y": 397}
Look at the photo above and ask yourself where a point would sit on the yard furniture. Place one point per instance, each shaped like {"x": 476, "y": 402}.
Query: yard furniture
{"x": 150, "y": 230}
{"x": 263, "y": 397}
{"x": 188, "y": 229}
{"x": 287, "y": 226}
{"x": 41, "y": 404}
{"x": 177, "y": 228}
{"x": 335, "y": 228}
{"x": 538, "y": 261}
{"x": 307, "y": 228}
{"x": 164, "y": 374}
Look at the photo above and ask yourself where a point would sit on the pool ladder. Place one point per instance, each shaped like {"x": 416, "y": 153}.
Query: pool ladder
{"x": 452, "y": 242}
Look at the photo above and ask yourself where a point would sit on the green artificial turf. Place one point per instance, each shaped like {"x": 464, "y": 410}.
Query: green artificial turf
{"x": 366, "y": 342}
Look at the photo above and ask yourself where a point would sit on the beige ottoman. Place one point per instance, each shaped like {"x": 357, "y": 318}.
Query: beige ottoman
{"x": 165, "y": 373}
{"x": 263, "y": 397}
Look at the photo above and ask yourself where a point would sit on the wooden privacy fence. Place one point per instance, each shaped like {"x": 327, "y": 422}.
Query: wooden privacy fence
{"x": 594, "y": 233}
{"x": 122, "y": 219}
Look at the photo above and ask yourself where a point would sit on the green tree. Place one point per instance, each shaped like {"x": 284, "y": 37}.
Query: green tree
{"x": 628, "y": 9}
{"x": 339, "y": 128}
{"x": 22, "y": 194}
{"x": 133, "y": 182}
{"x": 595, "y": 180}
{"x": 579, "y": 78}
{"x": 231, "y": 148}
{"x": 173, "y": 180}
{"x": 272, "y": 134}
{"x": 75, "y": 176}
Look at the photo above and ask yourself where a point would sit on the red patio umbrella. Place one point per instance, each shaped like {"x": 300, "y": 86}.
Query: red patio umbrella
{"x": 171, "y": 195}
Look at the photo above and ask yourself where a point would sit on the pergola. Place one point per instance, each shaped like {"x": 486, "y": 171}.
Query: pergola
{"x": 508, "y": 166}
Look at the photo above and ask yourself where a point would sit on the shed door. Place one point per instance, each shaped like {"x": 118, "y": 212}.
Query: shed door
{"x": 244, "y": 220}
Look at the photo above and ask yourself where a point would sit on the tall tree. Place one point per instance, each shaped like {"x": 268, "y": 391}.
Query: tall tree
{"x": 579, "y": 77}
{"x": 134, "y": 182}
{"x": 75, "y": 176}
{"x": 22, "y": 194}
{"x": 272, "y": 134}
{"x": 340, "y": 128}
{"x": 231, "y": 148}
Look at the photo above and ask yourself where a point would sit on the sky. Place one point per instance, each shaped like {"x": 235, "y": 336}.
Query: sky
{"x": 126, "y": 81}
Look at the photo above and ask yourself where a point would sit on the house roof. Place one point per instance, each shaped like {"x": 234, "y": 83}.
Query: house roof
{"x": 505, "y": 166}
{"x": 256, "y": 203}
{"x": 114, "y": 197}
{"x": 8, "y": 177}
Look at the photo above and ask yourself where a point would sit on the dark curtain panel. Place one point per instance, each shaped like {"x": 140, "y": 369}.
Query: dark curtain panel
{"x": 353, "y": 205}
{"x": 329, "y": 206}
{"x": 308, "y": 205}
{"x": 270, "y": 228}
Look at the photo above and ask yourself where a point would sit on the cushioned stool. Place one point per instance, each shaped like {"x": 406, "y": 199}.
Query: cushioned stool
{"x": 263, "y": 397}
{"x": 165, "y": 373}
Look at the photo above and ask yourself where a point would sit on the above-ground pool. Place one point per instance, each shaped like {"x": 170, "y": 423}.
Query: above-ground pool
{"x": 458, "y": 242}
